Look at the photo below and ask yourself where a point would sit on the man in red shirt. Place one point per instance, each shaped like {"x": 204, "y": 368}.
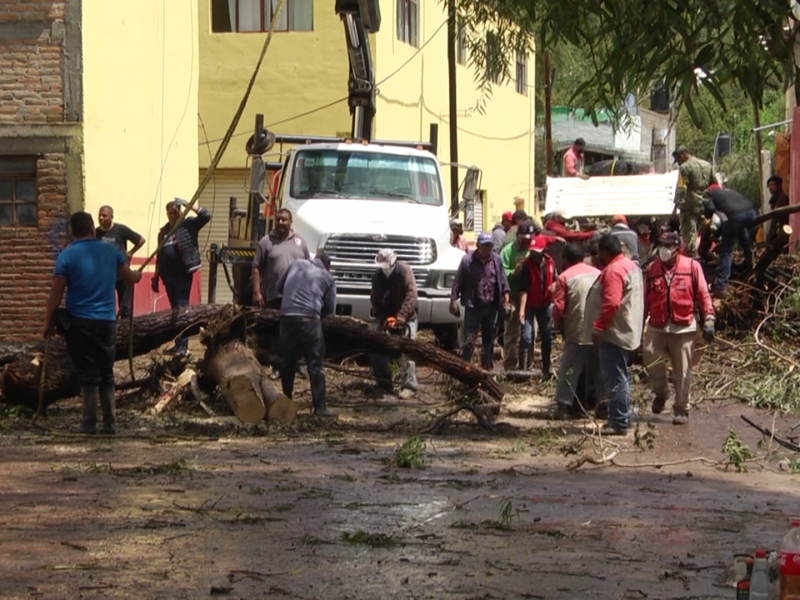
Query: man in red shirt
{"x": 673, "y": 284}
{"x": 615, "y": 314}
{"x": 536, "y": 280}
{"x": 556, "y": 224}
{"x": 573, "y": 159}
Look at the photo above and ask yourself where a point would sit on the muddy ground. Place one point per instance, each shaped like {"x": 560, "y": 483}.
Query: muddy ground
{"x": 192, "y": 506}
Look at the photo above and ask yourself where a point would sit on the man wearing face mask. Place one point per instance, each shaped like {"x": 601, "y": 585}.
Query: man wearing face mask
{"x": 673, "y": 285}
{"x": 394, "y": 306}
{"x": 536, "y": 280}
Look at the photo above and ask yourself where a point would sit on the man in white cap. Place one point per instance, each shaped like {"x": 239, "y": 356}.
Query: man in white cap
{"x": 557, "y": 224}
{"x": 394, "y": 306}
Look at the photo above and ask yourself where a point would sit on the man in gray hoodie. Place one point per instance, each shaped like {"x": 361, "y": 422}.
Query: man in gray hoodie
{"x": 627, "y": 237}
{"x": 500, "y": 230}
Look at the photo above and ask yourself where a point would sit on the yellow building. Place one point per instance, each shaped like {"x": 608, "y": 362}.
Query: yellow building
{"x": 140, "y": 82}
{"x": 302, "y": 89}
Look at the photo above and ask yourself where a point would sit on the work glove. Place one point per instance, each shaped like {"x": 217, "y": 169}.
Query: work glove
{"x": 400, "y": 323}
{"x": 508, "y": 310}
{"x": 180, "y": 202}
{"x": 154, "y": 284}
{"x": 708, "y": 331}
{"x": 455, "y": 310}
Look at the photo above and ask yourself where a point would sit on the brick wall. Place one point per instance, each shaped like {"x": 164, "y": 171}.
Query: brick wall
{"x": 28, "y": 255}
{"x": 31, "y": 83}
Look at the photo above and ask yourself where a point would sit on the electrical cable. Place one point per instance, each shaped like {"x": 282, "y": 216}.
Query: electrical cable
{"x": 217, "y": 157}
{"x": 329, "y": 104}
{"x": 213, "y": 183}
{"x": 165, "y": 159}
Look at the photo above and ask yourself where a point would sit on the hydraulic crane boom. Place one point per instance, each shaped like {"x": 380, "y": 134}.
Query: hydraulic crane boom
{"x": 360, "y": 18}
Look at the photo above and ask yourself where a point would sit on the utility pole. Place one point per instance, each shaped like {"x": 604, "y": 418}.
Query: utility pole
{"x": 548, "y": 125}
{"x": 452, "y": 37}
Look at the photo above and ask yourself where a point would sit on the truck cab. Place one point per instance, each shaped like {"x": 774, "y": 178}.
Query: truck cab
{"x": 352, "y": 199}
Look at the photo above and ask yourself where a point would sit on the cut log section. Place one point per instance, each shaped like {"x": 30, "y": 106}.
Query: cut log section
{"x": 245, "y": 386}
{"x": 176, "y": 389}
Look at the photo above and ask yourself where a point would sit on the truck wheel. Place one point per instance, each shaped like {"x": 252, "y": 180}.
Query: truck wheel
{"x": 448, "y": 336}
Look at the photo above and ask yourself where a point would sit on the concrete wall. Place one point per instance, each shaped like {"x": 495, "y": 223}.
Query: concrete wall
{"x": 500, "y": 142}
{"x": 40, "y": 110}
{"x": 140, "y": 81}
{"x": 302, "y": 71}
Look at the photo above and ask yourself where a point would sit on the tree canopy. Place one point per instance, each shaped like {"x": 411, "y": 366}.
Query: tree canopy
{"x": 695, "y": 48}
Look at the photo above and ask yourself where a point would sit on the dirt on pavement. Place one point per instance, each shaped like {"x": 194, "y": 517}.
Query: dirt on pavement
{"x": 190, "y": 506}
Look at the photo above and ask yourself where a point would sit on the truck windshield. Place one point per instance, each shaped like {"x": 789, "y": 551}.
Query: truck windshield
{"x": 373, "y": 175}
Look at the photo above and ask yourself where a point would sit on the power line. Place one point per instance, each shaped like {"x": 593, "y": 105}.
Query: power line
{"x": 335, "y": 102}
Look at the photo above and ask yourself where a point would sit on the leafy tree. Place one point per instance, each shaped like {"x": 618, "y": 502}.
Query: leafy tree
{"x": 630, "y": 47}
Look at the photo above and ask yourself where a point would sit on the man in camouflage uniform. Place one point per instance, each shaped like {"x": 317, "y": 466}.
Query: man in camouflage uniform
{"x": 695, "y": 177}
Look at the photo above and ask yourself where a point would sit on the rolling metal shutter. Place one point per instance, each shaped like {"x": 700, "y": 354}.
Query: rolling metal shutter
{"x": 226, "y": 183}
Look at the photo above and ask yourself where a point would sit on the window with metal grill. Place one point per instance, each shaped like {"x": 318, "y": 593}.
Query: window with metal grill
{"x": 243, "y": 16}
{"x": 522, "y": 73}
{"x": 408, "y": 22}
{"x": 18, "y": 192}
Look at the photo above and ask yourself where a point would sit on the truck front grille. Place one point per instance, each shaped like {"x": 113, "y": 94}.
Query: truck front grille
{"x": 357, "y": 248}
{"x": 361, "y": 278}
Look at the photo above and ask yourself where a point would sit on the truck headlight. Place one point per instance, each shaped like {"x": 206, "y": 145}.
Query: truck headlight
{"x": 447, "y": 280}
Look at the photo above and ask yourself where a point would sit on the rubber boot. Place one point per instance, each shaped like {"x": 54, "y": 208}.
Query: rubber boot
{"x": 107, "y": 403}
{"x": 89, "y": 422}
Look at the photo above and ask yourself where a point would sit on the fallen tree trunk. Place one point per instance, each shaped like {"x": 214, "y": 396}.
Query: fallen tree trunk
{"x": 19, "y": 378}
{"x": 358, "y": 334}
{"x": 244, "y": 385}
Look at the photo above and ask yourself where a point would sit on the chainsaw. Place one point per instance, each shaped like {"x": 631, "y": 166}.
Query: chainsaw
{"x": 392, "y": 327}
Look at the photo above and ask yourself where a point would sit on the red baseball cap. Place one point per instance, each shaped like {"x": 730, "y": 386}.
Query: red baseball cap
{"x": 508, "y": 216}
{"x": 538, "y": 243}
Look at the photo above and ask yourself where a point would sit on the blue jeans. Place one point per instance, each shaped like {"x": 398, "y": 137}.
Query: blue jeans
{"x": 382, "y": 368}
{"x": 544, "y": 322}
{"x": 483, "y": 318}
{"x": 614, "y": 369}
{"x": 302, "y": 336}
{"x": 179, "y": 289}
{"x": 734, "y": 230}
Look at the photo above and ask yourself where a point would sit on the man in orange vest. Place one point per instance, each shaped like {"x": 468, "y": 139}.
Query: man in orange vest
{"x": 673, "y": 284}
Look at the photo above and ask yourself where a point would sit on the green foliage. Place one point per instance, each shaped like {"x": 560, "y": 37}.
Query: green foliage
{"x": 688, "y": 46}
{"x": 741, "y": 173}
{"x": 773, "y": 390}
{"x": 646, "y": 440}
{"x": 738, "y": 452}
{"x": 411, "y": 455}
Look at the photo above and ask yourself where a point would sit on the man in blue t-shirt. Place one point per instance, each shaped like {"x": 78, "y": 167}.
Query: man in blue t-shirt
{"x": 88, "y": 271}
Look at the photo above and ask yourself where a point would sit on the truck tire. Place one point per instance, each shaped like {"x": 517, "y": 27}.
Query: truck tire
{"x": 448, "y": 336}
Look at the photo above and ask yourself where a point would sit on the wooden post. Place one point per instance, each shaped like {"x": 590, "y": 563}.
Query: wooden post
{"x": 548, "y": 125}
{"x": 452, "y": 38}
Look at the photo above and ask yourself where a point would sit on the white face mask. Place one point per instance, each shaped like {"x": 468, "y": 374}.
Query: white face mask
{"x": 664, "y": 253}
{"x": 387, "y": 270}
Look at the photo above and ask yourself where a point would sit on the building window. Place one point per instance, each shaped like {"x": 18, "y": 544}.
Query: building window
{"x": 522, "y": 73}
{"x": 243, "y": 16}
{"x": 494, "y": 62}
{"x": 18, "y": 192}
{"x": 461, "y": 43}
{"x": 408, "y": 22}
